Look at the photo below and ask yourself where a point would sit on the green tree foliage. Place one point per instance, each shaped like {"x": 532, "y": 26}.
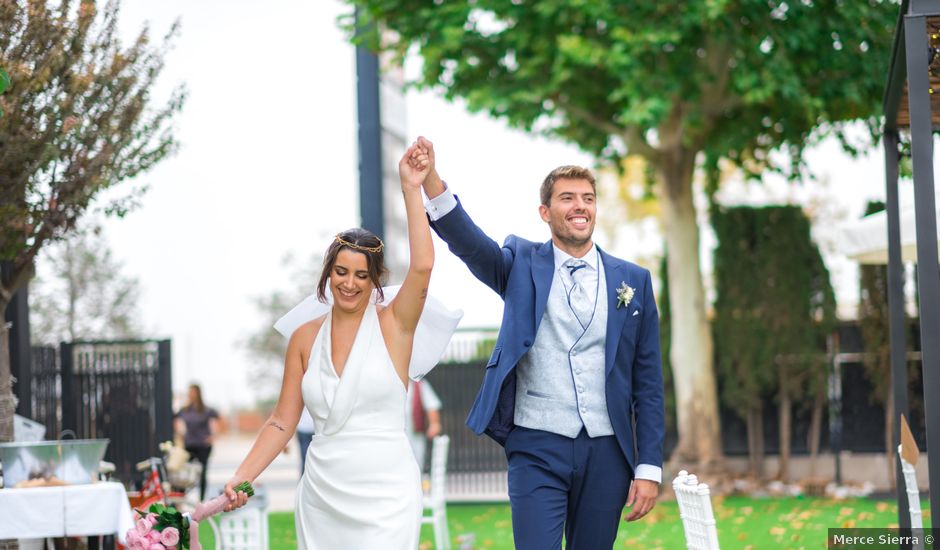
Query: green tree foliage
{"x": 79, "y": 292}
{"x": 78, "y": 119}
{"x": 732, "y": 80}
{"x": 4, "y": 84}
{"x": 774, "y": 308}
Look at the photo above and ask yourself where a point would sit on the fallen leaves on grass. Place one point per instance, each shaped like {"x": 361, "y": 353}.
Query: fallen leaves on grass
{"x": 656, "y": 515}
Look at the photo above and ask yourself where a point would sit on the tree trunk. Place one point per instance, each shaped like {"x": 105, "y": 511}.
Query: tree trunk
{"x": 785, "y": 411}
{"x": 815, "y": 430}
{"x": 755, "y": 442}
{"x": 691, "y": 354}
{"x": 7, "y": 399}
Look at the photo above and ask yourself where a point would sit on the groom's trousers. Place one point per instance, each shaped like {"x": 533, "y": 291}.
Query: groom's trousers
{"x": 558, "y": 484}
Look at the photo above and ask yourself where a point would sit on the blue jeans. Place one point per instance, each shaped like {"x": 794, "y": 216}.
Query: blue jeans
{"x": 303, "y": 438}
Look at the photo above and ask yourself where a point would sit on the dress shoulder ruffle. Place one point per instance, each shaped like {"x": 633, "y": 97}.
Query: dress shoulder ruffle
{"x": 435, "y": 327}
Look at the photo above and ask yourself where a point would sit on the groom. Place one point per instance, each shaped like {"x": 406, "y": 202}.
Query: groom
{"x": 574, "y": 389}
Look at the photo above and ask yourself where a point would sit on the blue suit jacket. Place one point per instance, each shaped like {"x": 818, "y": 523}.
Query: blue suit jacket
{"x": 521, "y": 273}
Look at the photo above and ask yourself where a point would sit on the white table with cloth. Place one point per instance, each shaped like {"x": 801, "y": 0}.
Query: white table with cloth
{"x": 72, "y": 510}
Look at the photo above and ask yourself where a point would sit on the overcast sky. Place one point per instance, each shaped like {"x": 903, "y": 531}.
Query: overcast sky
{"x": 268, "y": 166}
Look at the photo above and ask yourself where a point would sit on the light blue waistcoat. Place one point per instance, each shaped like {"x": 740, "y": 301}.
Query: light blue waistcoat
{"x": 560, "y": 381}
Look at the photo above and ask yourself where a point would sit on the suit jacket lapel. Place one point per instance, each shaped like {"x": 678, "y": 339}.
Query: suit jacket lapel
{"x": 543, "y": 271}
{"x": 614, "y": 275}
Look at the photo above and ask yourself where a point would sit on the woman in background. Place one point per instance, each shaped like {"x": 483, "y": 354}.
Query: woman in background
{"x": 198, "y": 425}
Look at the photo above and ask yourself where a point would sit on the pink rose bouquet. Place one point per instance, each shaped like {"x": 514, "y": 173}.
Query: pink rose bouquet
{"x": 160, "y": 528}
{"x": 165, "y": 528}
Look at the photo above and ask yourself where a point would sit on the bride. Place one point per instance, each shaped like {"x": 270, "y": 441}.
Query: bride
{"x": 349, "y": 366}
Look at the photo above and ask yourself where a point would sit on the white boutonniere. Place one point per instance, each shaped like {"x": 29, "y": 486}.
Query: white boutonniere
{"x": 624, "y": 294}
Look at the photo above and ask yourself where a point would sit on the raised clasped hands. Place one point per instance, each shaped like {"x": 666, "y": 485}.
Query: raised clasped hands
{"x": 414, "y": 166}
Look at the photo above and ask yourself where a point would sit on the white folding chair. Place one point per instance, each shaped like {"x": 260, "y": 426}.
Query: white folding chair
{"x": 435, "y": 502}
{"x": 695, "y": 510}
{"x": 245, "y": 528}
{"x": 913, "y": 495}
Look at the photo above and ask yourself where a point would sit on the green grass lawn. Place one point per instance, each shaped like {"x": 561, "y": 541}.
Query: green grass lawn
{"x": 742, "y": 523}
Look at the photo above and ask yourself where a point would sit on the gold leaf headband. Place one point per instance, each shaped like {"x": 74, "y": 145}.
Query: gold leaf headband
{"x": 354, "y": 246}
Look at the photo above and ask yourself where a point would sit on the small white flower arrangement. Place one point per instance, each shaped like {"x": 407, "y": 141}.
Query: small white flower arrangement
{"x": 624, "y": 294}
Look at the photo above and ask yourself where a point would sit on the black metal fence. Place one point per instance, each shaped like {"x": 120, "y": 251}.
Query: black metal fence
{"x": 45, "y": 392}
{"x": 853, "y": 419}
{"x": 120, "y": 391}
{"x": 862, "y": 417}
{"x": 476, "y": 465}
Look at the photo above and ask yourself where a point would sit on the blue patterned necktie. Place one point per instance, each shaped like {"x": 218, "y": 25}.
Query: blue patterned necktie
{"x": 580, "y": 303}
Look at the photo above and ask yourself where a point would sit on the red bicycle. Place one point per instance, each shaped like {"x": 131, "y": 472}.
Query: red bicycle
{"x": 156, "y": 486}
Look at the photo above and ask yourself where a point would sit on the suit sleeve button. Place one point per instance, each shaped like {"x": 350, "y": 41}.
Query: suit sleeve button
{"x": 526, "y": 343}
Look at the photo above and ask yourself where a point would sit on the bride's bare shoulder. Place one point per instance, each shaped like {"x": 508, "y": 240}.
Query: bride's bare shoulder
{"x": 306, "y": 333}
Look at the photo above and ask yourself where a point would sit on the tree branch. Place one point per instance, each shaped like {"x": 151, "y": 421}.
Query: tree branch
{"x": 716, "y": 99}
{"x": 637, "y": 144}
{"x": 631, "y": 135}
{"x": 589, "y": 118}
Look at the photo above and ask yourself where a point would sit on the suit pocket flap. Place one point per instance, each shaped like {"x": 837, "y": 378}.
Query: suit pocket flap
{"x": 494, "y": 358}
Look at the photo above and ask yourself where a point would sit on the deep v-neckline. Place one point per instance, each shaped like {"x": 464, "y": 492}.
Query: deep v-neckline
{"x": 338, "y": 373}
{"x": 340, "y": 391}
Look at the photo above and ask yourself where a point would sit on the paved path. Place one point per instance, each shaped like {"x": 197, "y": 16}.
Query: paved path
{"x": 279, "y": 480}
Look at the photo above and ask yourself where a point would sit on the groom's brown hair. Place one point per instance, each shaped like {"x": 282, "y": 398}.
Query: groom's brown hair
{"x": 568, "y": 172}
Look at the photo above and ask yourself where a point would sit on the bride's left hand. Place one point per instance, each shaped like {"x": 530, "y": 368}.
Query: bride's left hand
{"x": 235, "y": 500}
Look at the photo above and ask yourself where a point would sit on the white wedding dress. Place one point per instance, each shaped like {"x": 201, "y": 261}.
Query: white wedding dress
{"x": 362, "y": 487}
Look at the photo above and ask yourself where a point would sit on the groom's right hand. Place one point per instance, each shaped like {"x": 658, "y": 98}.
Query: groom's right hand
{"x": 433, "y": 185}
{"x": 641, "y": 498}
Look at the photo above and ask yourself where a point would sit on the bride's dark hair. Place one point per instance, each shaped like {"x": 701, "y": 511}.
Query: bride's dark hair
{"x": 361, "y": 241}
